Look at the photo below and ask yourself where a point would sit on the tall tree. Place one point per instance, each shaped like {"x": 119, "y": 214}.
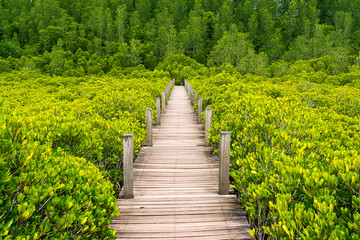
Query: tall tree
{"x": 234, "y": 48}
{"x": 179, "y": 11}
{"x": 343, "y": 22}
{"x": 109, "y": 25}
{"x": 223, "y": 20}
{"x": 211, "y": 5}
{"x": 270, "y": 40}
{"x": 45, "y": 13}
{"x": 144, "y": 7}
{"x": 135, "y": 50}
{"x": 231, "y": 48}
{"x": 226, "y": 13}
{"x": 167, "y": 40}
{"x": 245, "y": 11}
{"x": 193, "y": 37}
{"x": 97, "y": 22}
{"x": 120, "y": 23}
{"x": 135, "y": 25}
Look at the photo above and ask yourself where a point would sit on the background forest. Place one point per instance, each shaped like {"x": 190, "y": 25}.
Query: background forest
{"x": 80, "y": 37}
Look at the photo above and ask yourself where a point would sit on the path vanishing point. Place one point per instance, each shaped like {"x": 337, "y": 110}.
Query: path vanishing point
{"x": 176, "y": 185}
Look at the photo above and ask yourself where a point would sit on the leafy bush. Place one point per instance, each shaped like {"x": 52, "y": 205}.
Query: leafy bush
{"x": 47, "y": 193}
{"x": 61, "y": 150}
{"x": 180, "y": 67}
{"x": 10, "y": 49}
{"x": 294, "y": 155}
{"x": 86, "y": 117}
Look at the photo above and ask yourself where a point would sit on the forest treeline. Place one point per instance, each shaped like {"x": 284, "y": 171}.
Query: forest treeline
{"x": 79, "y": 37}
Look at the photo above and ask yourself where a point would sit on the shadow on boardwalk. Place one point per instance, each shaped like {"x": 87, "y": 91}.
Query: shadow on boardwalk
{"x": 176, "y": 184}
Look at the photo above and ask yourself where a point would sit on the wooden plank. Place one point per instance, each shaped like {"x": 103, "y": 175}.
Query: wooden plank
{"x": 241, "y": 233}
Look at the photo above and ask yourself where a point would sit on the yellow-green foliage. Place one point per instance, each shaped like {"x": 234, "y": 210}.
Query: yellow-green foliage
{"x": 47, "y": 193}
{"x": 294, "y": 155}
{"x": 61, "y": 151}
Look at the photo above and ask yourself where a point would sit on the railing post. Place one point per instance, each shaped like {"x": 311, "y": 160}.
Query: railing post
{"x": 163, "y": 102}
{"x": 128, "y": 158}
{"x": 208, "y": 120}
{"x": 224, "y": 182}
{"x": 199, "y": 110}
{"x": 195, "y": 98}
{"x": 149, "y": 127}
{"x": 157, "y": 111}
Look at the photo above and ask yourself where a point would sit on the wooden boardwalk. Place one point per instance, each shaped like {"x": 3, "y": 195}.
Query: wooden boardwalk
{"x": 176, "y": 184}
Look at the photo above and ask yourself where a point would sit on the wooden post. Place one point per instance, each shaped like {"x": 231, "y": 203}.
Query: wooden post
{"x": 199, "y": 110}
{"x": 128, "y": 158}
{"x": 163, "y": 102}
{"x": 157, "y": 111}
{"x": 195, "y": 98}
{"x": 208, "y": 120}
{"x": 224, "y": 182}
{"x": 149, "y": 127}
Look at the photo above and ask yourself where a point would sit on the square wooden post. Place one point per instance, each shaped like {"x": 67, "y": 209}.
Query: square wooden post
{"x": 149, "y": 142}
{"x": 163, "y": 102}
{"x": 157, "y": 111}
{"x": 199, "y": 110}
{"x": 195, "y": 98}
{"x": 224, "y": 164}
{"x": 208, "y": 121}
{"x": 128, "y": 158}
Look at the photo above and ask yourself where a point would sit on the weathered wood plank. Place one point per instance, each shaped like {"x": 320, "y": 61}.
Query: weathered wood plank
{"x": 176, "y": 185}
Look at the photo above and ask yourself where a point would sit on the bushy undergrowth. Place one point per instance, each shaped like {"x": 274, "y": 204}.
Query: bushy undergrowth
{"x": 47, "y": 193}
{"x": 294, "y": 154}
{"x": 61, "y": 150}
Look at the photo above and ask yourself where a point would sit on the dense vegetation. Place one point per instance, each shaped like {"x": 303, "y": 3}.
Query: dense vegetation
{"x": 294, "y": 154}
{"x": 80, "y": 37}
{"x": 61, "y": 150}
{"x": 281, "y": 75}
